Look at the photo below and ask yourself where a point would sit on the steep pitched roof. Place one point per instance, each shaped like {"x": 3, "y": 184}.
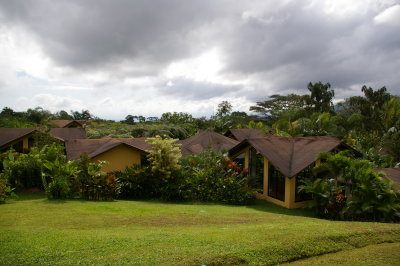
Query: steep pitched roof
{"x": 290, "y": 155}
{"x": 8, "y": 135}
{"x": 93, "y": 147}
{"x": 66, "y": 123}
{"x": 393, "y": 174}
{"x": 206, "y": 139}
{"x": 68, "y": 133}
{"x": 241, "y": 134}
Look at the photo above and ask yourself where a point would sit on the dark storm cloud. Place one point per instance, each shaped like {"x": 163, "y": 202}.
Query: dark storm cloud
{"x": 278, "y": 46}
{"x": 299, "y": 44}
{"x": 91, "y": 33}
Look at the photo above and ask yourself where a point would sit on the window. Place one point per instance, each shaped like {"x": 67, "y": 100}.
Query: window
{"x": 256, "y": 170}
{"x": 239, "y": 160}
{"x": 306, "y": 174}
{"x": 276, "y": 183}
{"x": 143, "y": 160}
{"x": 18, "y": 147}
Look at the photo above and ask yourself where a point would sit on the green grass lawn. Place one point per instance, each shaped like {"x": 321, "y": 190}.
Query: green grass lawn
{"x": 34, "y": 230}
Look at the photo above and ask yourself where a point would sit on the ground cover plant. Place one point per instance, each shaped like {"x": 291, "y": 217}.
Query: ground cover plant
{"x": 38, "y": 231}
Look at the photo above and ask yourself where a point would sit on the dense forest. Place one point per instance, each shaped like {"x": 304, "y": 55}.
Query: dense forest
{"x": 368, "y": 123}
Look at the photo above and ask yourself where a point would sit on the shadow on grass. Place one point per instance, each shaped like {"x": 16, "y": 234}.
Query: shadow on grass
{"x": 260, "y": 205}
{"x": 265, "y": 206}
{"x": 30, "y": 194}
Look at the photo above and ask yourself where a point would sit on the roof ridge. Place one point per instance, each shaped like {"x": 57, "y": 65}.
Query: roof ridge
{"x": 100, "y": 150}
{"x": 291, "y": 156}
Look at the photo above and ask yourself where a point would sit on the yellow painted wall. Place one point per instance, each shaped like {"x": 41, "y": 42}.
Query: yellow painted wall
{"x": 25, "y": 143}
{"x": 246, "y": 157}
{"x": 119, "y": 158}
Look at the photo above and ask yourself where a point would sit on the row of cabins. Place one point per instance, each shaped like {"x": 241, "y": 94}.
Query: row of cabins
{"x": 276, "y": 163}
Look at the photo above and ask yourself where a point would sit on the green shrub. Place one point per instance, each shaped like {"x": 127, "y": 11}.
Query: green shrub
{"x": 177, "y": 187}
{"x": 57, "y": 177}
{"x": 372, "y": 195}
{"x": 5, "y": 190}
{"x": 94, "y": 184}
{"x": 136, "y": 182}
{"x": 354, "y": 191}
{"x": 204, "y": 177}
{"x": 329, "y": 198}
{"x": 23, "y": 170}
{"x": 212, "y": 177}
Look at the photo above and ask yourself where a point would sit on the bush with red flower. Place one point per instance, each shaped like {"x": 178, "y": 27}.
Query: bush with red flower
{"x": 355, "y": 191}
{"x": 213, "y": 177}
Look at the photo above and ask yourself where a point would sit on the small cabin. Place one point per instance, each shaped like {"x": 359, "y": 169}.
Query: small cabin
{"x": 278, "y": 164}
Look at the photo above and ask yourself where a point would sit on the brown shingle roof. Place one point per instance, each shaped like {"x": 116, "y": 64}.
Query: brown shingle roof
{"x": 66, "y": 123}
{"x": 8, "y": 135}
{"x": 93, "y": 147}
{"x": 393, "y": 174}
{"x": 290, "y": 155}
{"x": 241, "y": 134}
{"x": 206, "y": 139}
{"x": 68, "y": 133}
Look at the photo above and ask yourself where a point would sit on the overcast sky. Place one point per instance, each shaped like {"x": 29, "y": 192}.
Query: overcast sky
{"x": 120, "y": 57}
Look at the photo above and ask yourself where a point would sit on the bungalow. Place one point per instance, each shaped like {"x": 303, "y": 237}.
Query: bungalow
{"x": 68, "y": 123}
{"x": 204, "y": 140}
{"x": 68, "y": 133}
{"x": 21, "y": 139}
{"x": 119, "y": 153}
{"x": 279, "y": 163}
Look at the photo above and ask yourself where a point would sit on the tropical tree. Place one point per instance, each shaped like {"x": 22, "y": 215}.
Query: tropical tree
{"x": 176, "y": 118}
{"x": 38, "y": 115}
{"x": 129, "y": 119}
{"x": 83, "y": 115}
{"x": 273, "y": 109}
{"x": 321, "y": 97}
{"x": 63, "y": 115}
{"x": 224, "y": 109}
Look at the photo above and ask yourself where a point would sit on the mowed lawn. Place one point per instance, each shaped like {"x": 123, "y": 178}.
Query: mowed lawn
{"x": 34, "y": 230}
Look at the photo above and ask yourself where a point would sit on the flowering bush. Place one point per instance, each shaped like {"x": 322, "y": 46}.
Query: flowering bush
{"x": 212, "y": 177}
{"x": 355, "y": 191}
{"x": 208, "y": 176}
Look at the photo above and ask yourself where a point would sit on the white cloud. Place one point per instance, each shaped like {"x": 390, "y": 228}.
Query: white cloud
{"x": 204, "y": 68}
{"x": 390, "y": 15}
{"x": 131, "y": 58}
{"x": 49, "y": 101}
